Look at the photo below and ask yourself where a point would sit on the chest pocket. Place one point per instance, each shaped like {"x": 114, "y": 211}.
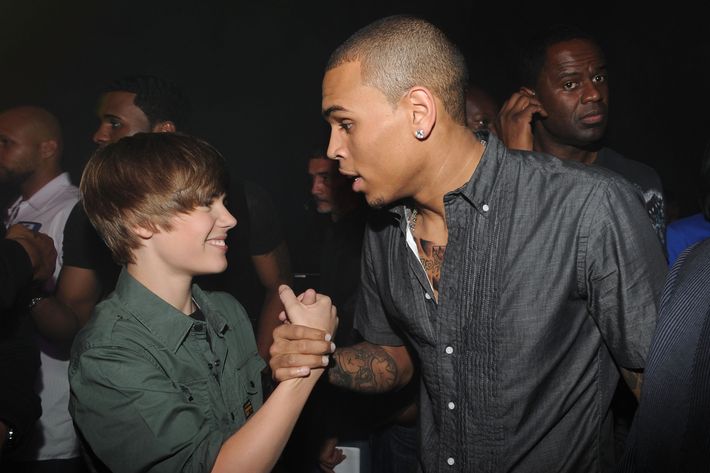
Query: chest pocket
{"x": 196, "y": 393}
{"x": 248, "y": 397}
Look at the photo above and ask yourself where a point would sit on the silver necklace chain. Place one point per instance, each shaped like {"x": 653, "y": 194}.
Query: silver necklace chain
{"x": 413, "y": 220}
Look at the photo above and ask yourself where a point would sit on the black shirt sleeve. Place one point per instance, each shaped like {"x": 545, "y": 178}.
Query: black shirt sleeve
{"x": 15, "y": 271}
{"x": 266, "y": 233}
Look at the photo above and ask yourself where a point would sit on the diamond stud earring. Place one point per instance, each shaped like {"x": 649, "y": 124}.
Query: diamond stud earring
{"x": 419, "y": 134}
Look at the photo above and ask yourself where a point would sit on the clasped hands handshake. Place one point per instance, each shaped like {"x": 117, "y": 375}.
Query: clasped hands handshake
{"x": 304, "y": 341}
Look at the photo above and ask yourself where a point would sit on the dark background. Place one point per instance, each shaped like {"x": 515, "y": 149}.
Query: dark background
{"x": 252, "y": 72}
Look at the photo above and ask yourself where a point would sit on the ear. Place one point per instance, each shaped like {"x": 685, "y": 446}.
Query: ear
{"x": 164, "y": 127}
{"x": 48, "y": 148}
{"x": 423, "y": 111}
{"x": 142, "y": 232}
{"x": 527, "y": 91}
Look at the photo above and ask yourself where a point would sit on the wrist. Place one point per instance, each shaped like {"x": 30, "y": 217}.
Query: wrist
{"x": 35, "y": 298}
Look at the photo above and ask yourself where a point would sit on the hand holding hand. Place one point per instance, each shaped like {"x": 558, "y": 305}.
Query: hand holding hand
{"x": 299, "y": 348}
{"x": 311, "y": 309}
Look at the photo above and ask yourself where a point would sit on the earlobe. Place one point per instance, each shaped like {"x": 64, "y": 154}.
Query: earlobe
{"x": 164, "y": 127}
{"x": 423, "y": 110}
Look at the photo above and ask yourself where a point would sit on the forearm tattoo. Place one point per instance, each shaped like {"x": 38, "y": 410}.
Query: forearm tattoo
{"x": 364, "y": 367}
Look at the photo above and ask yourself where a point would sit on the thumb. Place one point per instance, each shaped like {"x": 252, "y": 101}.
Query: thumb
{"x": 288, "y": 298}
{"x": 308, "y": 297}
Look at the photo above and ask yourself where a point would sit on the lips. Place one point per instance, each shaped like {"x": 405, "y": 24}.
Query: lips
{"x": 348, "y": 174}
{"x": 218, "y": 242}
{"x": 593, "y": 117}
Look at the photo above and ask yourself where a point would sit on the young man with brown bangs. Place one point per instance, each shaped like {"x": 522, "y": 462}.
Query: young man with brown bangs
{"x": 165, "y": 376}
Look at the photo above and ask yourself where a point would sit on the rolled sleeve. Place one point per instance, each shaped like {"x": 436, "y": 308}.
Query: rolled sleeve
{"x": 371, "y": 318}
{"x": 623, "y": 272}
{"x": 137, "y": 419}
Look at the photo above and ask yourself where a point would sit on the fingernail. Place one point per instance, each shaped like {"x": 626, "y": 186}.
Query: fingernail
{"x": 303, "y": 371}
{"x": 328, "y": 337}
{"x": 325, "y": 360}
{"x": 332, "y": 347}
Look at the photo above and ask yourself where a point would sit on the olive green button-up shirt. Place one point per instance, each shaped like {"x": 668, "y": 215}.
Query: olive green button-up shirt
{"x": 155, "y": 390}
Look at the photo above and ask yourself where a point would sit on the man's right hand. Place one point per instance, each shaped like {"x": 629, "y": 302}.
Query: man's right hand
{"x": 39, "y": 247}
{"x": 515, "y": 119}
{"x": 298, "y": 349}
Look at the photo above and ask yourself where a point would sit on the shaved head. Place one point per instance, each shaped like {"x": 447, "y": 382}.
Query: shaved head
{"x": 399, "y": 52}
{"x": 30, "y": 147}
{"x": 37, "y": 122}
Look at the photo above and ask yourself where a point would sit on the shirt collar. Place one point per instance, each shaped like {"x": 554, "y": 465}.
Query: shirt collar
{"x": 478, "y": 190}
{"x": 43, "y": 197}
{"x": 163, "y": 320}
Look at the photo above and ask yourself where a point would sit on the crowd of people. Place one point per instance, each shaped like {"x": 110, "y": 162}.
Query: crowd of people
{"x": 499, "y": 290}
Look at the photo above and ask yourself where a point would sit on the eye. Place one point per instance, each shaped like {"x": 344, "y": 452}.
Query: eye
{"x": 569, "y": 85}
{"x": 346, "y": 126}
{"x": 599, "y": 78}
{"x": 114, "y": 122}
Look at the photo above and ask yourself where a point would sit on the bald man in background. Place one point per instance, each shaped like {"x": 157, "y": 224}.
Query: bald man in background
{"x": 30, "y": 161}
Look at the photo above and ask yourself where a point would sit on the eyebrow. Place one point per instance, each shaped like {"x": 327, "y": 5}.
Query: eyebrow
{"x": 110, "y": 115}
{"x": 335, "y": 108}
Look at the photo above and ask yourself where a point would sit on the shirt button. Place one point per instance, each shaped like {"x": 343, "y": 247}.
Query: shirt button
{"x": 449, "y": 350}
{"x": 485, "y": 207}
{"x": 451, "y": 406}
{"x": 450, "y": 461}
{"x": 427, "y": 296}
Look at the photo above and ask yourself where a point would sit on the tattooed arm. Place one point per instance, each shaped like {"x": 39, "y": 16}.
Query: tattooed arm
{"x": 363, "y": 367}
{"x": 371, "y": 368}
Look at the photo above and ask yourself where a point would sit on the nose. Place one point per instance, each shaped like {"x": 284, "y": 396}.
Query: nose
{"x": 333, "y": 144}
{"x": 101, "y": 137}
{"x": 229, "y": 221}
{"x": 317, "y": 186}
{"x": 592, "y": 92}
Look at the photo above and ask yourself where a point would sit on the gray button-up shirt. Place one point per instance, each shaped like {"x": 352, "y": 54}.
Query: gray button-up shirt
{"x": 550, "y": 281}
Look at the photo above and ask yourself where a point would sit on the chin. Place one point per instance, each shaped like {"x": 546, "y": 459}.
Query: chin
{"x": 376, "y": 202}
{"x": 215, "y": 268}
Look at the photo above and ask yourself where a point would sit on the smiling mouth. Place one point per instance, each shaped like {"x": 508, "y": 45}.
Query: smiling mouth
{"x": 218, "y": 242}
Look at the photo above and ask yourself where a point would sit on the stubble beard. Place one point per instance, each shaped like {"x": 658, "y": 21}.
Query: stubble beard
{"x": 377, "y": 203}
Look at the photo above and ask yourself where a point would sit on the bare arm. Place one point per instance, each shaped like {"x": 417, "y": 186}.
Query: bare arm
{"x": 633, "y": 380}
{"x": 246, "y": 450}
{"x": 60, "y": 316}
{"x": 366, "y": 367}
{"x": 273, "y": 269}
{"x": 79, "y": 290}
